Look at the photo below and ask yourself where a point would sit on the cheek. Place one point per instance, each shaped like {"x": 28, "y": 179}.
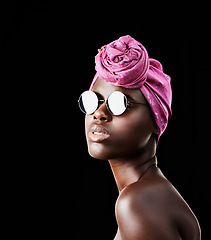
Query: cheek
{"x": 133, "y": 131}
{"x": 87, "y": 121}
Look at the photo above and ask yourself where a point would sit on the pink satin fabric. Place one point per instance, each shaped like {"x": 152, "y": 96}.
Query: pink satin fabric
{"x": 125, "y": 63}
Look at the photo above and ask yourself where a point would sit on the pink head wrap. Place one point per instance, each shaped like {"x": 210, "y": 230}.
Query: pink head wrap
{"x": 125, "y": 63}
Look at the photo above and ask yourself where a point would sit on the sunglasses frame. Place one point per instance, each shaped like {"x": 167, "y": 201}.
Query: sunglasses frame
{"x": 107, "y": 105}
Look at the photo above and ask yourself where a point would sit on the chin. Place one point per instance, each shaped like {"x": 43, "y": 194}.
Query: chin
{"x": 107, "y": 151}
{"x": 97, "y": 150}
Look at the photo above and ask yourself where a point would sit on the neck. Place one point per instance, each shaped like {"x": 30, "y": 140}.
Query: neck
{"x": 129, "y": 169}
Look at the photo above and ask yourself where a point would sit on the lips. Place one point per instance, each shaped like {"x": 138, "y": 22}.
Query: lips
{"x": 98, "y": 133}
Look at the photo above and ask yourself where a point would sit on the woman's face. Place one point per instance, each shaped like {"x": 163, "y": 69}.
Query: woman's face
{"x": 109, "y": 136}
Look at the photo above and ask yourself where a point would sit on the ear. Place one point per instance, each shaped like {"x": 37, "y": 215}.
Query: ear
{"x": 155, "y": 129}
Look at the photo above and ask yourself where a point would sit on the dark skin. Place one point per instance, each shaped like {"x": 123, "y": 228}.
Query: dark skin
{"x": 149, "y": 208}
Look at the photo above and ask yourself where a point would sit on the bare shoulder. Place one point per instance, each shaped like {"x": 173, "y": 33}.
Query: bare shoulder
{"x": 153, "y": 209}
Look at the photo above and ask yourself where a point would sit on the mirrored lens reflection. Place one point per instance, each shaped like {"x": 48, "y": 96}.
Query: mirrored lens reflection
{"x": 88, "y": 102}
{"x": 117, "y": 103}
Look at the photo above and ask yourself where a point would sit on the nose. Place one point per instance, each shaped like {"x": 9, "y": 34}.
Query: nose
{"x": 102, "y": 114}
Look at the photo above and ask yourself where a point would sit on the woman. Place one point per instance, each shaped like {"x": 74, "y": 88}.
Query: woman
{"x": 127, "y": 110}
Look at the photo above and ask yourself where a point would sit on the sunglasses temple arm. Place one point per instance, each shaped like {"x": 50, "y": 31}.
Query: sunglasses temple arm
{"x": 138, "y": 103}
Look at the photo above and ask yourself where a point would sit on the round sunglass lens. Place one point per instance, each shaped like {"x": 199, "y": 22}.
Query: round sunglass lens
{"x": 117, "y": 103}
{"x": 88, "y": 102}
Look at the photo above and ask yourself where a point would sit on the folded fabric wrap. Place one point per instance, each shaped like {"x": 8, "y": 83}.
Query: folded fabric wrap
{"x": 125, "y": 63}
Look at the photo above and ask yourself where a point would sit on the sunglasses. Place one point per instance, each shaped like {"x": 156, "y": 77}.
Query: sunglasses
{"x": 116, "y": 102}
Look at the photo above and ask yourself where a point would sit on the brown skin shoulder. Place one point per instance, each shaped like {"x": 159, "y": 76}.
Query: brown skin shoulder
{"x": 153, "y": 209}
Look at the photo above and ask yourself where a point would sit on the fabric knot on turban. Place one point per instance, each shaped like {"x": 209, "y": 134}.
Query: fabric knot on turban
{"x": 125, "y": 63}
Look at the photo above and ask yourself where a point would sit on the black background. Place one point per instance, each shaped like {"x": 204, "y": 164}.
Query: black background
{"x": 53, "y": 187}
